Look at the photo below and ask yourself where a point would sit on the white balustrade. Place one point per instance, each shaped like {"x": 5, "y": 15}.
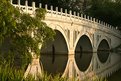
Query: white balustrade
{"x": 83, "y": 17}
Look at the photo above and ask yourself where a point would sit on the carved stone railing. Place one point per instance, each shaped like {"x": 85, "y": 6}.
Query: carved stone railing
{"x": 74, "y": 17}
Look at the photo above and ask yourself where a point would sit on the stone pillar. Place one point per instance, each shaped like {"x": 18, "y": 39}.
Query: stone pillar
{"x": 71, "y": 64}
{"x": 71, "y": 52}
{"x": 34, "y": 67}
{"x": 94, "y": 59}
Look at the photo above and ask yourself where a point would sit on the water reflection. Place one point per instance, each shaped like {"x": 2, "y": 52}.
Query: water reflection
{"x": 54, "y": 65}
{"x": 83, "y": 60}
{"x": 103, "y": 55}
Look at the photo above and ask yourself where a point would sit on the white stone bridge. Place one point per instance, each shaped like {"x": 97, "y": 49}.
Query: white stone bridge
{"x": 81, "y": 47}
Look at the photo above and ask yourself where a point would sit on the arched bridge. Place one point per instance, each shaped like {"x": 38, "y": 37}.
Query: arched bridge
{"x": 81, "y": 47}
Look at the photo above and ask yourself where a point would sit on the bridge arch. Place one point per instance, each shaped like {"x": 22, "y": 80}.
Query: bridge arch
{"x": 103, "y": 38}
{"x": 103, "y": 50}
{"x": 83, "y": 52}
{"x": 60, "y": 29}
{"x": 80, "y": 35}
{"x": 54, "y": 56}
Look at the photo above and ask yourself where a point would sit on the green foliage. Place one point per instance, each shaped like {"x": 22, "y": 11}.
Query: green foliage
{"x": 40, "y": 13}
{"x": 106, "y": 10}
{"x": 74, "y": 5}
{"x": 20, "y": 34}
{"x": 7, "y": 73}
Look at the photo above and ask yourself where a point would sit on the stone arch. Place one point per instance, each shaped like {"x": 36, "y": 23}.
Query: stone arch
{"x": 103, "y": 50}
{"x": 56, "y": 52}
{"x": 78, "y": 37}
{"x": 61, "y": 29}
{"x": 102, "y": 38}
{"x": 83, "y": 52}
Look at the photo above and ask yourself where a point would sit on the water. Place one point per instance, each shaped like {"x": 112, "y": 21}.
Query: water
{"x": 115, "y": 76}
{"x": 57, "y": 64}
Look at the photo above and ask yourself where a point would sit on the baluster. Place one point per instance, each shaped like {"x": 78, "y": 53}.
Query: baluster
{"x": 85, "y": 17}
{"x": 40, "y": 5}
{"x": 33, "y": 6}
{"x": 82, "y": 16}
{"x": 108, "y": 25}
{"x": 11, "y": 1}
{"x": 18, "y": 2}
{"x": 70, "y": 13}
{"x": 51, "y": 7}
{"x": 26, "y": 4}
{"x": 102, "y": 23}
{"x": 99, "y": 22}
{"x": 66, "y": 12}
{"x": 78, "y": 15}
{"x": 56, "y": 9}
{"x": 61, "y": 10}
{"x": 74, "y": 13}
{"x": 46, "y": 7}
{"x": 88, "y": 18}
{"x": 93, "y": 19}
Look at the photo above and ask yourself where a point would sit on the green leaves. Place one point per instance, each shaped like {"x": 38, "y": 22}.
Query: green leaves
{"x": 22, "y": 32}
{"x": 106, "y": 10}
{"x": 40, "y": 13}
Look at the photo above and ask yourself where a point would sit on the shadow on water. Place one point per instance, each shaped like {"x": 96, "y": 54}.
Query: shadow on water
{"x": 56, "y": 65}
{"x": 83, "y": 60}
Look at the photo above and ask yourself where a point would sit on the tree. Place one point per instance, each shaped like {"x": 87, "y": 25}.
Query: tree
{"x": 20, "y": 34}
{"x": 74, "y": 5}
{"x": 106, "y": 10}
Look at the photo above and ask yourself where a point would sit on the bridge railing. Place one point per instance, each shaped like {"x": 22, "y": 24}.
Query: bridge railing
{"x": 31, "y": 10}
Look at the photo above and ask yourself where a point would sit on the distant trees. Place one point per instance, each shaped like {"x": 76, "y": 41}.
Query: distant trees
{"x": 106, "y": 10}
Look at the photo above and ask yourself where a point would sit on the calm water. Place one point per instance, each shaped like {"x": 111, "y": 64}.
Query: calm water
{"x": 57, "y": 64}
{"x": 115, "y": 76}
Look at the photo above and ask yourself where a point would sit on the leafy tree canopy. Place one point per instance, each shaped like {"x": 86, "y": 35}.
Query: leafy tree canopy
{"x": 106, "y": 10}
{"x": 21, "y": 33}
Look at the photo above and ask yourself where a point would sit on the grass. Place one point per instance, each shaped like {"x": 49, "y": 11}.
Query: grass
{"x": 7, "y": 73}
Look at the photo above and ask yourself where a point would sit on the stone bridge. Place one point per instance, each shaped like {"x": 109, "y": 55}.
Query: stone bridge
{"x": 81, "y": 47}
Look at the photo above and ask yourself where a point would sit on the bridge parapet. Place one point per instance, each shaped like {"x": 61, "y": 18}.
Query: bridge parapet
{"x": 68, "y": 16}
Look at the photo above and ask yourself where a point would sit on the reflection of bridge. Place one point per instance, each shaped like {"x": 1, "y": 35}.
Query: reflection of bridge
{"x": 77, "y": 36}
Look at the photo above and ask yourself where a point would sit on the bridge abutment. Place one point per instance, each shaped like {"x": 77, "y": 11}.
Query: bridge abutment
{"x": 71, "y": 63}
{"x": 34, "y": 67}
